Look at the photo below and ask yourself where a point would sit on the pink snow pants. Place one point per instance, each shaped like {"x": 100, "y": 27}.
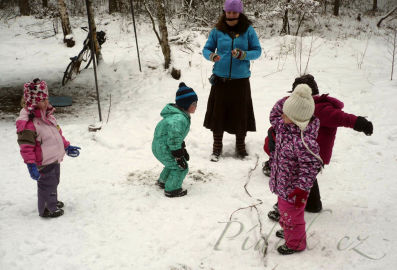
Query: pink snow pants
{"x": 293, "y": 223}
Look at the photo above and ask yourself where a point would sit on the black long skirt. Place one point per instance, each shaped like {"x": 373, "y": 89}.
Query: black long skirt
{"x": 229, "y": 107}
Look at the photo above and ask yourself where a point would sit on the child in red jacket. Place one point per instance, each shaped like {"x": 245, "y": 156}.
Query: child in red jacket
{"x": 329, "y": 111}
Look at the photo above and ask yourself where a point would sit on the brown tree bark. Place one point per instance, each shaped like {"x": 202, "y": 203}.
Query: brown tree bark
{"x": 286, "y": 28}
{"x": 165, "y": 47}
{"x": 93, "y": 29}
{"x": 375, "y": 5}
{"x": 336, "y": 7}
{"x": 24, "y": 7}
{"x": 67, "y": 30}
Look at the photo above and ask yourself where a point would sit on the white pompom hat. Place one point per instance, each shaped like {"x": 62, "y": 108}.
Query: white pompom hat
{"x": 299, "y": 106}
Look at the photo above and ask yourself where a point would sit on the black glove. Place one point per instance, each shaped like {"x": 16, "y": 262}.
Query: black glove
{"x": 185, "y": 153}
{"x": 178, "y": 155}
{"x": 272, "y": 139}
{"x": 363, "y": 125}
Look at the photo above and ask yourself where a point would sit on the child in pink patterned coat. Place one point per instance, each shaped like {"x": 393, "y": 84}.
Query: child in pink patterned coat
{"x": 42, "y": 146}
{"x": 294, "y": 163}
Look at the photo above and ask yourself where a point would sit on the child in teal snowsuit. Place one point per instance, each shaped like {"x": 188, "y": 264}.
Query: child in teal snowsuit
{"x": 168, "y": 144}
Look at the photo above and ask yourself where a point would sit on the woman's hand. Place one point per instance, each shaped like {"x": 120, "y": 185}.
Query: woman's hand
{"x": 214, "y": 57}
{"x": 239, "y": 54}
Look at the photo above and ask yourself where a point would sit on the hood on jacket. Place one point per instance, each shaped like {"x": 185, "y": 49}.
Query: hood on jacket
{"x": 171, "y": 109}
{"x": 326, "y": 98}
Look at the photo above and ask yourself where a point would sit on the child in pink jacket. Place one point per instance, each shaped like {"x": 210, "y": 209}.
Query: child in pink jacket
{"x": 42, "y": 146}
{"x": 294, "y": 164}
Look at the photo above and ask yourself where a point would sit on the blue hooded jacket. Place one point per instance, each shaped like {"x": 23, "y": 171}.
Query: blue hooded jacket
{"x": 222, "y": 44}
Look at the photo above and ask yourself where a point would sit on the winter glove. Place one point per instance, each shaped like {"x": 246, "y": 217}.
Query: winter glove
{"x": 215, "y": 57}
{"x": 239, "y": 54}
{"x": 300, "y": 197}
{"x": 72, "y": 151}
{"x": 178, "y": 155}
{"x": 33, "y": 171}
{"x": 363, "y": 125}
{"x": 272, "y": 139}
{"x": 185, "y": 153}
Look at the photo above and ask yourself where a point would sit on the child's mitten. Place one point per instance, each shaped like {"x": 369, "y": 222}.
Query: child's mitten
{"x": 363, "y": 125}
{"x": 178, "y": 155}
{"x": 72, "y": 151}
{"x": 185, "y": 153}
{"x": 300, "y": 197}
{"x": 33, "y": 171}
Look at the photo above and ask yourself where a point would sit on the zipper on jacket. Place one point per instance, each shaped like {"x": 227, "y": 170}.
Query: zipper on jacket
{"x": 231, "y": 57}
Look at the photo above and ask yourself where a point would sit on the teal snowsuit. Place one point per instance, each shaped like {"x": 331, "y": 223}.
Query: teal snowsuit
{"x": 169, "y": 135}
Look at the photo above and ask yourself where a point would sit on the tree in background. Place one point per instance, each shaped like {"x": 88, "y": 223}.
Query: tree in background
{"x": 336, "y": 7}
{"x": 67, "y": 30}
{"x": 301, "y": 9}
{"x": 163, "y": 37}
{"x": 286, "y": 30}
{"x": 91, "y": 20}
{"x": 114, "y": 6}
{"x": 375, "y": 5}
{"x": 24, "y": 7}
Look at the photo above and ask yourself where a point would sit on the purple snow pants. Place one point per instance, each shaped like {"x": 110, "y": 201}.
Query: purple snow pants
{"x": 293, "y": 223}
{"x": 47, "y": 188}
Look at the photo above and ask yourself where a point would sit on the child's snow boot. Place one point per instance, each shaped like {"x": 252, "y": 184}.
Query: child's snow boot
{"x": 60, "y": 204}
{"x": 266, "y": 168}
{"x": 56, "y": 213}
{"x": 274, "y": 215}
{"x": 160, "y": 184}
{"x": 284, "y": 250}
{"x": 280, "y": 234}
{"x": 175, "y": 193}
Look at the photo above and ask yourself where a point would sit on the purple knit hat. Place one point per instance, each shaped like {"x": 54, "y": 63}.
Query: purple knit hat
{"x": 233, "y": 5}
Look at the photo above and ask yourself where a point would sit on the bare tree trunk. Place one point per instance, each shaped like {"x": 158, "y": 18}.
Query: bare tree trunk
{"x": 67, "y": 30}
{"x": 300, "y": 21}
{"x": 336, "y": 7}
{"x": 165, "y": 47}
{"x": 114, "y": 6}
{"x": 93, "y": 28}
{"x": 24, "y": 7}
{"x": 286, "y": 29}
{"x": 393, "y": 53}
{"x": 45, "y": 3}
{"x": 375, "y": 5}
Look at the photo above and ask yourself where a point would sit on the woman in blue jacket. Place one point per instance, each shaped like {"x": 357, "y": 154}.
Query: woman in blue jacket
{"x": 231, "y": 45}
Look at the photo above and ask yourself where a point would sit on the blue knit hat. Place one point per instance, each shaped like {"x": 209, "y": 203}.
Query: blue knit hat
{"x": 185, "y": 96}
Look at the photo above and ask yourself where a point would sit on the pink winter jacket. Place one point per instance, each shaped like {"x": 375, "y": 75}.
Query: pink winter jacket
{"x": 292, "y": 165}
{"x": 40, "y": 140}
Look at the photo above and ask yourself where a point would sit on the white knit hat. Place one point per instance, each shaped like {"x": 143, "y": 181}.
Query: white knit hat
{"x": 299, "y": 106}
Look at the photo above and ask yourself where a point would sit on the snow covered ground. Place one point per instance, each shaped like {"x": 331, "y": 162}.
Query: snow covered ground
{"x": 116, "y": 218}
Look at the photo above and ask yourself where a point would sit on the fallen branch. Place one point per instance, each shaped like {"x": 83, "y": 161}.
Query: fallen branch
{"x": 386, "y": 16}
{"x": 264, "y": 252}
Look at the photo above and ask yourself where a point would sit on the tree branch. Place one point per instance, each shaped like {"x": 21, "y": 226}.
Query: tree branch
{"x": 386, "y": 16}
{"x": 153, "y": 23}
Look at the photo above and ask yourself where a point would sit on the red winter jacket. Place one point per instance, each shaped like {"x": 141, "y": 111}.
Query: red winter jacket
{"x": 329, "y": 111}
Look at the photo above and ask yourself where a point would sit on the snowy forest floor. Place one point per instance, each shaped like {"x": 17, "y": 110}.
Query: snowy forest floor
{"x": 115, "y": 216}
